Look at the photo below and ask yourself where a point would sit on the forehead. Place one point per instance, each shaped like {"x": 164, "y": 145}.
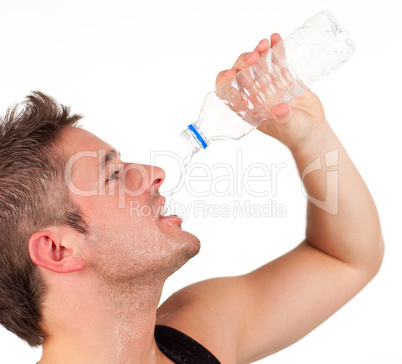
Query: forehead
{"x": 74, "y": 140}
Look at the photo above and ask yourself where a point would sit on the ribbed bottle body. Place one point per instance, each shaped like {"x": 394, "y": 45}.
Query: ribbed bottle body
{"x": 237, "y": 107}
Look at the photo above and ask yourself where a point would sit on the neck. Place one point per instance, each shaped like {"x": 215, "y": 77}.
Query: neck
{"x": 111, "y": 324}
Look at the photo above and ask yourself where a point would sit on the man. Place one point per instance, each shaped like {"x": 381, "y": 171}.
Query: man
{"x": 83, "y": 277}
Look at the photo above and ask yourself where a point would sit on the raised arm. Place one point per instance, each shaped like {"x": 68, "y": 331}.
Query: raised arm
{"x": 274, "y": 306}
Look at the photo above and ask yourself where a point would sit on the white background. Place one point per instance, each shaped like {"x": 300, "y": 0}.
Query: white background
{"x": 138, "y": 71}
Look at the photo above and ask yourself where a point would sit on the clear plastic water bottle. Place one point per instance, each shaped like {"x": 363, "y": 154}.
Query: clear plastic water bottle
{"x": 237, "y": 107}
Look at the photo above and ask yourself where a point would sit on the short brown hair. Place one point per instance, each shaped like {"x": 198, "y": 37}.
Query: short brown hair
{"x": 33, "y": 196}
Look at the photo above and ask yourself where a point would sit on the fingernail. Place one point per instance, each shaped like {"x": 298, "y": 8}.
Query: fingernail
{"x": 248, "y": 55}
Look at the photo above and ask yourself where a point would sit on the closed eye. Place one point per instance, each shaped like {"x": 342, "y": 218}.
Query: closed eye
{"x": 113, "y": 176}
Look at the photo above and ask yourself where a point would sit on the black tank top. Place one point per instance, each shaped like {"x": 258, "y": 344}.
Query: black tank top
{"x": 180, "y": 348}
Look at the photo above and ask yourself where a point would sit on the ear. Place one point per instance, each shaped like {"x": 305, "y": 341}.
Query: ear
{"x": 48, "y": 249}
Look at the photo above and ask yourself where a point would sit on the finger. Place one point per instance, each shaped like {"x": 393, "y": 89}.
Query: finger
{"x": 245, "y": 60}
{"x": 225, "y": 76}
{"x": 262, "y": 46}
{"x": 275, "y": 39}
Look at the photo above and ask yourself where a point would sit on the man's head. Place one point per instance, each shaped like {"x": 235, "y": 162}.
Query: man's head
{"x": 67, "y": 203}
{"x": 129, "y": 240}
{"x": 32, "y": 196}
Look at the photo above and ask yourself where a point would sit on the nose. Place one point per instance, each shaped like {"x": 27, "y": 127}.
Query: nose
{"x": 157, "y": 176}
{"x": 142, "y": 178}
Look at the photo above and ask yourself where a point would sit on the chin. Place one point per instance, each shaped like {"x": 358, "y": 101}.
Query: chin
{"x": 190, "y": 245}
{"x": 187, "y": 246}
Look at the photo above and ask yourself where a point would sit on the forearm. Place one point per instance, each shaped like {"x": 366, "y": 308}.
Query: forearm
{"x": 345, "y": 223}
{"x": 346, "y": 226}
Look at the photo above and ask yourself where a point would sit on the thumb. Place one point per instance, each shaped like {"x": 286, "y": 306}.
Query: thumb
{"x": 281, "y": 125}
{"x": 281, "y": 114}
{"x": 284, "y": 123}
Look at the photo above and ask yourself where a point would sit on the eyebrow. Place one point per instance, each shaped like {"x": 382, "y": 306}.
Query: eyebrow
{"x": 109, "y": 156}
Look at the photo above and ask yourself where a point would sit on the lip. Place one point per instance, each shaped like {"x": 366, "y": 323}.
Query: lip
{"x": 171, "y": 219}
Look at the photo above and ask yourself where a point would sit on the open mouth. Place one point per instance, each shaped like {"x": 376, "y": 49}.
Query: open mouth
{"x": 163, "y": 213}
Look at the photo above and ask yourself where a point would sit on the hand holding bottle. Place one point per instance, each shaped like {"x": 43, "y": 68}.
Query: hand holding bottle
{"x": 258, "y": 90}
{"x": 293, "y": 124}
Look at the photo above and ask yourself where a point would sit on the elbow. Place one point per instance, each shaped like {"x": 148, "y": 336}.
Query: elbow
{"x": 381, "y": 253}
{"x": 376, "y": 261}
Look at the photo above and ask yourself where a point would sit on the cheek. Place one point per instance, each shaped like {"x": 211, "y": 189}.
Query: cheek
{"x": 126, "y": 250}
{"x": 79, "y": 186}
{"x": 144, "y": 212}
{"x": 134, "y": 180}
{"x": 110, "y": 212}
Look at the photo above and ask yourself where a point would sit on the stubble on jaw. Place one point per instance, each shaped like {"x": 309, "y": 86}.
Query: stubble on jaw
{"x": 134, "y": 272}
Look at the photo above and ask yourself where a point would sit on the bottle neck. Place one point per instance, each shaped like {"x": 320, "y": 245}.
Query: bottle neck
{"x": 194, "y": 138}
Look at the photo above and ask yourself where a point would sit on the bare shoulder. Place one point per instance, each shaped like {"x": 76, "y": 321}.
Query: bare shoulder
{"x": 205, "y": 312}
{"x": 245, "y": 318}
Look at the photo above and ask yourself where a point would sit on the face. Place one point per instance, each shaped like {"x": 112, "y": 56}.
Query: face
{"x": 128, "y": 236}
